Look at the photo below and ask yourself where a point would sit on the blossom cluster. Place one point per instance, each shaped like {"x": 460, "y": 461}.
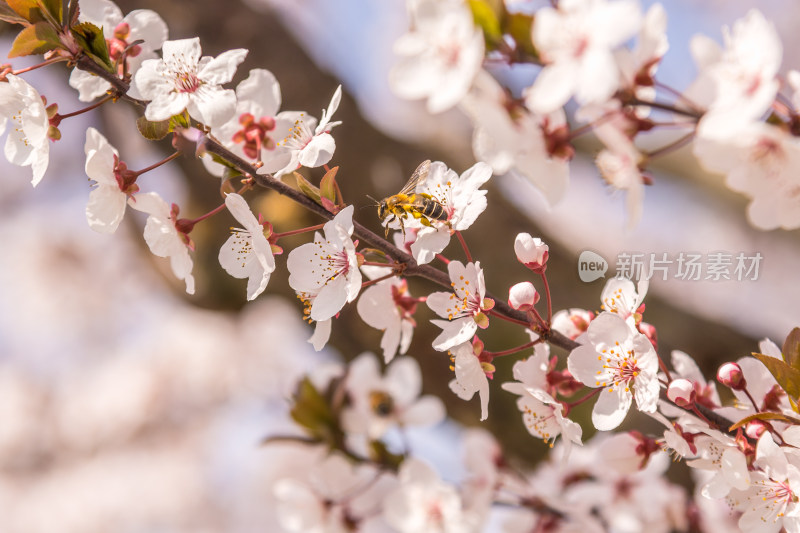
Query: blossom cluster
{"x": 359, "y": 472}
{"x": 741, "y": 124}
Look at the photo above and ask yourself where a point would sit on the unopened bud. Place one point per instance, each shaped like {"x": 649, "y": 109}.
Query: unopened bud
{"x": 681, "y": 392}
{"x": 523, "y": 296}
{"x": 755, "y": 428}
{"x": 531, "y": 252}
{"x": 730, "y": 375}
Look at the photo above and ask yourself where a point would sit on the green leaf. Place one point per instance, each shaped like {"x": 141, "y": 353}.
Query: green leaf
{"x": 93, "y": 42}
{"x": 487, "y": 17}
{"x": 519, "y": 27}
{"x": 73, "y": 12}
{"x": 381, "y": 455}
{"x": 327, "y": 186}
{"x": 791, "y": 349}
{"x": 786, "y": 376}
{"x": 312, "y": 411}
{"x": 9, "y": 15}
{"x": 27, "y": 9}
{"x": 765, "y": 416}
{"x": 307, "y": 188}
{"x": 53, "y": 8}
{"x": 36, "y": 39}
{"x": 153, "y": 131}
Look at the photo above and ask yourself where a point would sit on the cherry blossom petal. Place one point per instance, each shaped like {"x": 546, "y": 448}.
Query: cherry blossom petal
{"x": 611, "y": 407}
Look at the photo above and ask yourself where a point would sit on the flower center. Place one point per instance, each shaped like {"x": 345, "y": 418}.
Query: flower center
{"x": 254, "y": 136}
{"x": 299, "y": 136}
{"x": 463, "y": 301}
{"x": 620, "y": 365}
{"x": 381, "y": 403}
{"x": 242, "y": 244}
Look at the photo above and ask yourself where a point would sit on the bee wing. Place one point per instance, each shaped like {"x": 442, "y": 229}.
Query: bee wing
{"x": 417, "y": 177}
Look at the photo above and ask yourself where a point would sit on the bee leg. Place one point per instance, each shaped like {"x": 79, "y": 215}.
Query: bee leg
{"x": 387, "y": 225}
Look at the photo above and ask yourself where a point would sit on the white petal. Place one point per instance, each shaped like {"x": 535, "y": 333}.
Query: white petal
{"x": 106, "y": 208}
{"x": 318, "y": 151}
{"x": 611, "y": 407}
{"x": 222, "y": 68}
{"x": 322, "y": 332}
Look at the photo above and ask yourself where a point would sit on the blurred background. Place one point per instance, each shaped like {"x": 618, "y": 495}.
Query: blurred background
{"x": 126, "y": 405}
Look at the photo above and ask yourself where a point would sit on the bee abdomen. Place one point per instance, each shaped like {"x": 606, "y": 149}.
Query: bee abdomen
{"x": 433, "y": 210}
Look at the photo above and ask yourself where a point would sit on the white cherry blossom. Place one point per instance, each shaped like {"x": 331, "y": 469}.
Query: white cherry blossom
{"x": 760, "y": 161}
{"x": 388, "y": 306}
{"x": 441, "y": 55}
{"x": 542, "y": 414}
{"x": 379, "y": 403}
{"x": 27, "y": 144}
{"x": 576, "y": 43}
{"x": 719, "y": 455}
{"x": 462, "y": 199}
{"x": 108, "y": 199}
{"x": 162, "y": 235}
{"x": 247, "y": 252}
{"x": 252, "y": 132}
{"x": 308, "y": 144}
{"x": 621, "y": 297}
{"x": 183, "y": 79}
{"x": 463, "y": 307}
{"x": 743, "y": 79}
{"x": 771, "y": 501}
{"x": 327, "y": 268}
{"x": 138, "y": 25}
{"x": 638, "y": 65}
{"x": 470, "y": 376}
{"x": 512, "y": 139}
{"x": 620, "y": 361}
{"x": 423, "y": 502}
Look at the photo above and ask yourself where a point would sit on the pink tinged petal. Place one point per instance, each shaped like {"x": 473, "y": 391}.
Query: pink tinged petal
{"x": 430, "y": 241}
{"x": 322, "y": 332}
{"x": 584, "y": 365}
{"x": 611, "y": 407}
{"x": 761, "y": 519}
{"x": 165, "y": 105}
{"x": 262, "y": 89}
{"x": 222, "y": 68}
{"x": 453, "y": 333}
{"x": 318, "y": 151}
{"x": 148, "y": 26}
{"x": 106, "y": 208}
{"x": 212, "y": 105}
{"x": 552, "y": 88}
{"x": 770, "y": 457}
{"x": 734, "y": 469}
{"x": 716, "y": 487}
{"x": 427, "y": 411}
{"x": 470, "y": 379}
{"x": 404, "y": 380}
{"x": 150, "y": 80}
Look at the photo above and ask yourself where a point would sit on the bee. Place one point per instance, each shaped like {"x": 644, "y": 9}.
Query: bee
{"x": 421, "y": 206}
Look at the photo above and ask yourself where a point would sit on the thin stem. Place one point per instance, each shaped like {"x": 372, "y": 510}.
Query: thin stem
{"x": 664, "y": 368}
{"x": 664, "y": 107}
{"x": 514, "y": 350}
{"x": 376, "y": 280}
{"x": 671, "y": 147}
{"x": 579, "y": 401}
{"x": 539, "y": 318}
{"x": 464, "y": 246}
{"x": 156, "y": 165}
{"x": 586, "y": 128}
{"x": 297, "y": 231}
{"x": 548, "y": 298}
{"x": 50, "y": 61}
{"x": 492, "y": 312}
{"x": 677, "y": 94}
{"x": 752, "y": 400}
{"x": 443, "y": 259}
{"x": 95, "y": 105}
{"x": 209, "y": 214}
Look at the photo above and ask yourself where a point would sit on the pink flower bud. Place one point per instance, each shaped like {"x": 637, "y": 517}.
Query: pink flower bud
{"x": 681, "y": 391}
{"x": 755, "y": 428}
{"x": 531, "y": 252}
{"x": 730, "y": 375}
{"x": 523, "y": 296}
